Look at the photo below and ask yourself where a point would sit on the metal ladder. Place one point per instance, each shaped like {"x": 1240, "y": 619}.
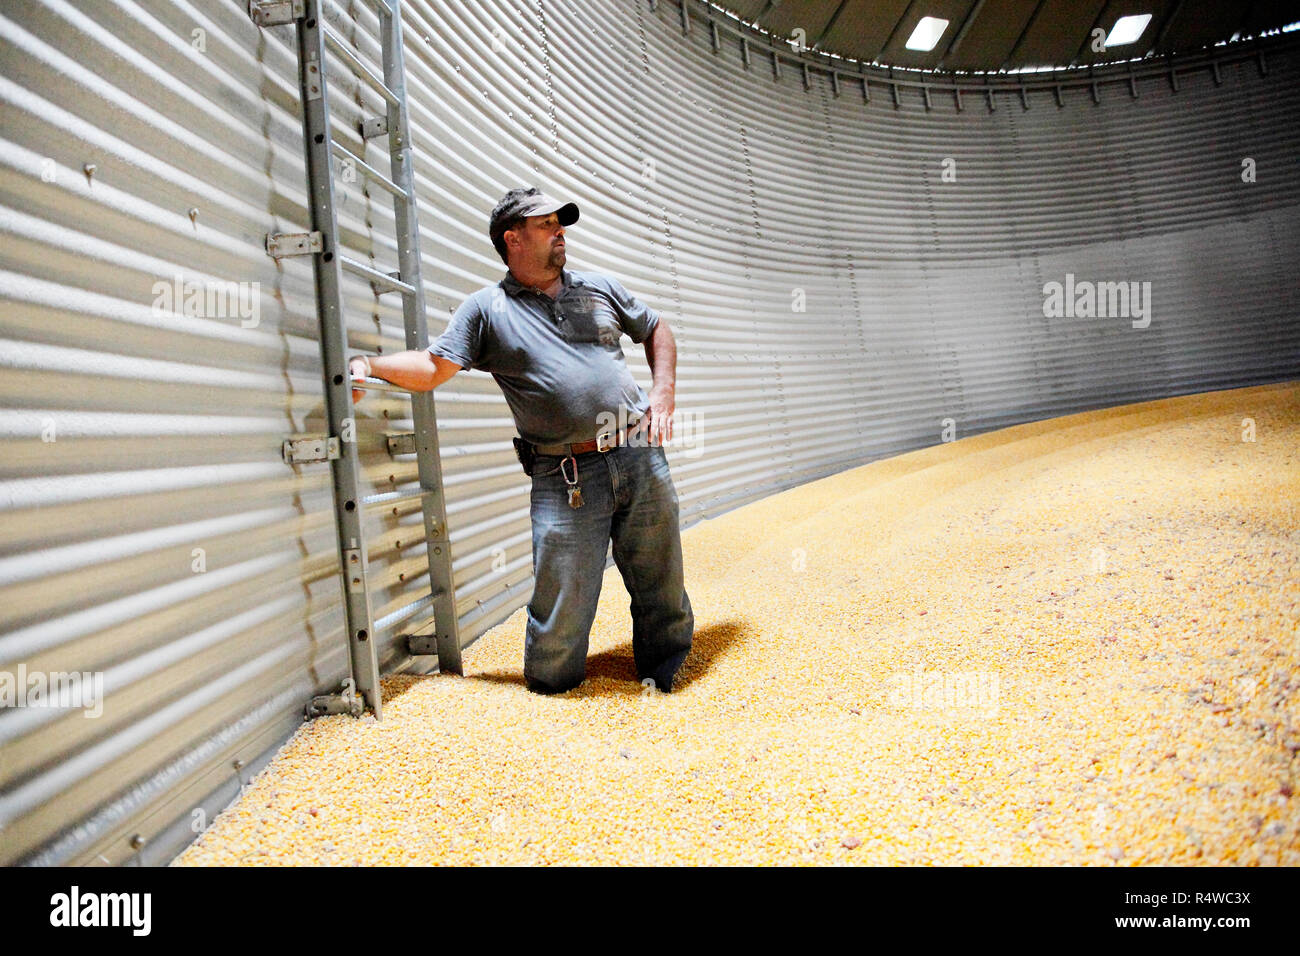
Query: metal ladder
{"x": 441, "y": 634}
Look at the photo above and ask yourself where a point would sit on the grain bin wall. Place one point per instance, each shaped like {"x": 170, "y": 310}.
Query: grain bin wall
{"x": 835, "y": 298}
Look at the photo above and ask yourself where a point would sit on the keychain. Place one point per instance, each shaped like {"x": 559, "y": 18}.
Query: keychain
{"x": 575, "y": 493}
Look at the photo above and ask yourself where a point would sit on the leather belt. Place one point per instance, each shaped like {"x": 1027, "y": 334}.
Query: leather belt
{"x": 601, "y": 443}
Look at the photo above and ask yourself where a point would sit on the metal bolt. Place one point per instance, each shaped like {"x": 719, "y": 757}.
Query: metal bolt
{"x": 137, "y": 841}
{"x": 194, "y": 214}
{"x": 89, "y": 170}
{"x": 239, "y": 764}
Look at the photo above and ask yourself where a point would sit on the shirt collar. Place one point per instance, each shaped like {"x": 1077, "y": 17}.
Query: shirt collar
{"x": 512, "y": 285}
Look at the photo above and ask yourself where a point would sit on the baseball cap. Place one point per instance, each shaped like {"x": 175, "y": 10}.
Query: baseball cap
{"x": 531, "y": 202}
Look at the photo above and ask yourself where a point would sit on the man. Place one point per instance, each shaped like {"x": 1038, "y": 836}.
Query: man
{"x": 550, "y": 338}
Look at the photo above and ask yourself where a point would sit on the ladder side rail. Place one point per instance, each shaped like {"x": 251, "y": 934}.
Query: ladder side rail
{"x": 423, "y": 409}
{"x": 326, "y": 265}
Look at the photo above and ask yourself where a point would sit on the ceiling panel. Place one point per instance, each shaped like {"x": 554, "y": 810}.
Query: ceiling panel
{"x": 1054, "y": 33}
{"x": 746, "y": 9}
{"x": 992, "y": 33}
{"x": 1110, "y": 15}
{"x": 1006, "y": 34}
{"x": 865, "y": 26}
{"x": 1266, "y": 14}
{"x": 896, "y": 53}
{"x": 809, "y": 15}
{"x": 1195, "y": 25}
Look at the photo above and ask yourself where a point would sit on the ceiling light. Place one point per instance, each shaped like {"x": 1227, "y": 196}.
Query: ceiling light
{"x": 1128, "y": 29}
{"x": 927, "y": 34}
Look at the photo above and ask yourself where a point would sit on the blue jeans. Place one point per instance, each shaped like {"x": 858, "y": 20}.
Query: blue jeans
{"x": 628, "y": 496}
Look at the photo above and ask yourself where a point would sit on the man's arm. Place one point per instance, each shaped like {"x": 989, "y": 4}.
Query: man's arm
{"x": 661, "y": 355}
{"x": 416, "y": 370}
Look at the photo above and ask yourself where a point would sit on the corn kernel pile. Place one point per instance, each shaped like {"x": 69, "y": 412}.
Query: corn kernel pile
{"x": 1067, "y": 642}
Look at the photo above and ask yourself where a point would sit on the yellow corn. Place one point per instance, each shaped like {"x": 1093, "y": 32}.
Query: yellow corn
{"x": 1071, "y": 641}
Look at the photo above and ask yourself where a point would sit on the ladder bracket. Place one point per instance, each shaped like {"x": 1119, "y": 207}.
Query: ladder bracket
{"x": 314, "y": 85}
{"x": 276, "y": 13}
{"x": 403, "y": 444}
{"x": 424, "y": 639}
{"x": 345, "y": 701}
{"x": 282, "y": 244}
{"x": 373, "y": 126}
{"x": 300, "y": 451}
{"x": 351, "y": 562}
{"x": 418, "y": 644}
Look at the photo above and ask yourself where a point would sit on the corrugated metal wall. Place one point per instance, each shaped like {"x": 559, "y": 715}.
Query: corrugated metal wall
{"x": 150, "y": 530}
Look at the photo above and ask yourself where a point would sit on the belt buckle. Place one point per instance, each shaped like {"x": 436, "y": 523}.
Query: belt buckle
{"x": 600, "y": 443}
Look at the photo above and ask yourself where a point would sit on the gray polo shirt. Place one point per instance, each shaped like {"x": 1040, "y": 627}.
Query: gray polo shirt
{"x": 558, "y": 361}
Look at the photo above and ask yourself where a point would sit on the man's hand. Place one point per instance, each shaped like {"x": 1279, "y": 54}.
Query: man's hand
{"x": 658, "y": 421}
{"x": 416, "y": 370}
{"x": 661, "y": 356}
{"x": 359, "y": 367}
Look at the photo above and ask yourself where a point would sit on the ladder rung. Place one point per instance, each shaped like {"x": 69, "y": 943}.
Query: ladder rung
{"x": 375, "y": 276}
{"x": 371, "y": 173}
{"x": 340, "y": 46}
{"x": 402, "y": 613}
{"x": 380, "y": 7}
{"x": 388, "y": 497}
{"x": 378, "y": 385}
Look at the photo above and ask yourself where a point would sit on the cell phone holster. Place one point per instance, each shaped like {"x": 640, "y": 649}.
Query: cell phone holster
{"x": 526, "y": 454}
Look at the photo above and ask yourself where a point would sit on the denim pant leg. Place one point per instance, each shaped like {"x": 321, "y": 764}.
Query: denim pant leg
{"x": 648, "y": 552}
{"x": 569, "y": 547}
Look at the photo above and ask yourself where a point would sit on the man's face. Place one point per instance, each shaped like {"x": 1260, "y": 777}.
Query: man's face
{"x": 541, "y": 243}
